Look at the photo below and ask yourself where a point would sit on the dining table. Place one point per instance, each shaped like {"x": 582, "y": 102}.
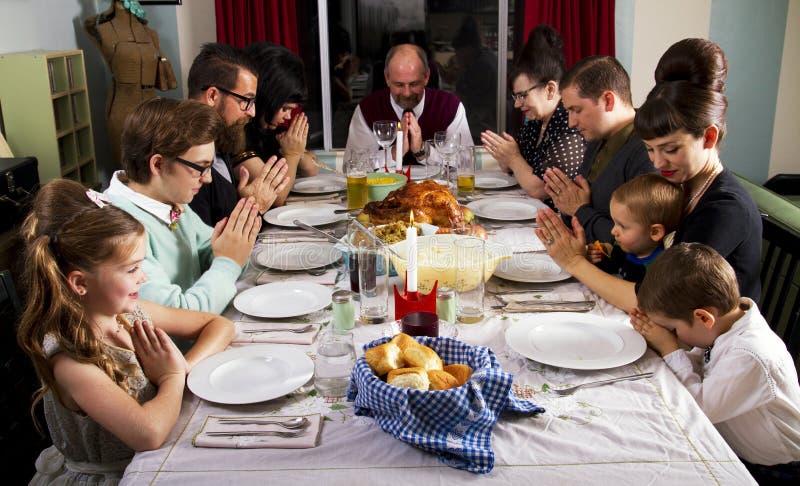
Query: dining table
{"x": 648, "y": 431}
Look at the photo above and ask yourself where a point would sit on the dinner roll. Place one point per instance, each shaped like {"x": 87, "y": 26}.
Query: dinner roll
{"x": 384, "y": 358}
{"x": 423, "y": 357}
{"x": 409, "y": 378}
{"x": 461, "y": 372}
{"x": 403, "y": 341}
{"x": 442, "y": 380}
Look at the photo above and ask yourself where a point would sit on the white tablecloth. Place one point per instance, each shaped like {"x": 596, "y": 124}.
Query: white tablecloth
{"x": 643, "y": 432}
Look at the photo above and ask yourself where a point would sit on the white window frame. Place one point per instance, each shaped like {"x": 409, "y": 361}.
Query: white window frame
{"x": 325, "y": 72}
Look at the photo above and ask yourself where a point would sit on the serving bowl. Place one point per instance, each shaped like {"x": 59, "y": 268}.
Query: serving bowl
{"x": 378, "y": 185}
{"x": 436, "y": 260}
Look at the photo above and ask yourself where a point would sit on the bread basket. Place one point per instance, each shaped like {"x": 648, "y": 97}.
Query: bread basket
{"x": 454, "y": 424}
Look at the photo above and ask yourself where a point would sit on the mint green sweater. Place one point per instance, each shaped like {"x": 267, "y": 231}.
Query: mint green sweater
{"x": 180, "y": 266}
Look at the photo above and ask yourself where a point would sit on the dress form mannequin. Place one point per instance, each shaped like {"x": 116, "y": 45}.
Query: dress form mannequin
{"x": 131, "y": 51}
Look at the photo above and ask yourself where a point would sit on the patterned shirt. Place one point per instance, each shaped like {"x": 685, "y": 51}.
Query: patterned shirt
{"x": 561, "y": 146}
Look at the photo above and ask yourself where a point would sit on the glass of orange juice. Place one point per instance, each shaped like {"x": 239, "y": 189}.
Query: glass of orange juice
{"x": 355, "y": 169}
{"x": 466, "y": 170}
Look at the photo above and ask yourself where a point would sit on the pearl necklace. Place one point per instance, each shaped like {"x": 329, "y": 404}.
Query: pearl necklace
{"x": 704, "y": 186}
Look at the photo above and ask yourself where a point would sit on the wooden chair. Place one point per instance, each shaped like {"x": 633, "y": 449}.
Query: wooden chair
{"x": 19, "y": 439}
{"x": 780, "y": 293}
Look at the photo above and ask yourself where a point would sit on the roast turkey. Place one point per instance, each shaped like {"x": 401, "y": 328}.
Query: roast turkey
{"x": 431, "y": 203}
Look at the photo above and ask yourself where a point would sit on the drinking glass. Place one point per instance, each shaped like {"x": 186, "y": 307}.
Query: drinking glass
{"x": 385, "y": 132}
{"x": 355, "y": 169}
{"x": 420, "y": 324}
{"x": 354, "y": 236}
{"x": 470, "y": 261}
{"x": 373, "y": 282}
{"x": 431, "y": 170}
{"x": 336, "y": 355}
{"x": 465, "y": 171}
{"x": 447, "y": 144}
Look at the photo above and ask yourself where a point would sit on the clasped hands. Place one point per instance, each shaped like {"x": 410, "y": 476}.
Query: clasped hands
{"x": 567, "y": 196}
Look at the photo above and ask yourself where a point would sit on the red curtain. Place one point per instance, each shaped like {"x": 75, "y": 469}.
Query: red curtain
{"x": 587, "y": 26}
{"x": 240, "y": 22}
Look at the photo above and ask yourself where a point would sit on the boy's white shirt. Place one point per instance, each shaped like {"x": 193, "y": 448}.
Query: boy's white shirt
{"x": 748, "y": 389}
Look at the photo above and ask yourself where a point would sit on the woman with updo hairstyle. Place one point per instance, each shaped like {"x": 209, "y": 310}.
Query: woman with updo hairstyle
{"x": 545, "y": 139}
{"x": 274, "y": 131}
{"x": 682, "y": 124}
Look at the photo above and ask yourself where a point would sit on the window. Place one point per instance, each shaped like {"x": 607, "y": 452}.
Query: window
{"x": 462, "y": 40}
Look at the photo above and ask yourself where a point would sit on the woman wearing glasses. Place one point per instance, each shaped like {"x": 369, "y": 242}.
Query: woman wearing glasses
{"x": 273, "y": 131}
{"x": 545, "y": 140}
{"x": 167, "y": 152}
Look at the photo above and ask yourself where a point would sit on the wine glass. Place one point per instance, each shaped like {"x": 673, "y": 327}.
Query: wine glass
{"x": 447, "y": 144}
{"x": 385, "y": 131}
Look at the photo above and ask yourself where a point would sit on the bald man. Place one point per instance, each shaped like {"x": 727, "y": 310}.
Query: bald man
{"x": 424, "y": 110}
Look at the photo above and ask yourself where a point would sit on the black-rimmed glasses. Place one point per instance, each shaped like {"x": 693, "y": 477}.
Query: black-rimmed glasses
{"x": 523, "y": 94}
{"x": 248, "y": 102}
{"x": 204, "y": 171}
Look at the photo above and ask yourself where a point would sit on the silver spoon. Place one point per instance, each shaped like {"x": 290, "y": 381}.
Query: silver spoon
{"x": 288, "y": 434}
{"x": 292, "y": 423}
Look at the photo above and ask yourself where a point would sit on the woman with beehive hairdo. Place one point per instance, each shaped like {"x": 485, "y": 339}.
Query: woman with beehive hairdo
{"x": 682, "y": 124}
{"x": 545, "y": 139}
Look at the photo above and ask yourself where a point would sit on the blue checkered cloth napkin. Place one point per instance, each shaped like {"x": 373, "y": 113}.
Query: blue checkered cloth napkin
{"x": 454, "y": 424}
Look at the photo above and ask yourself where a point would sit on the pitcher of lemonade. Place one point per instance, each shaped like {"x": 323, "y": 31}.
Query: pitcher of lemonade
{"x": 355, "y": 169}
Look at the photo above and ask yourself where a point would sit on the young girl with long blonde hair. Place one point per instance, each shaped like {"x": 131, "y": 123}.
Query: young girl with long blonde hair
{"x": 108, "y": 389}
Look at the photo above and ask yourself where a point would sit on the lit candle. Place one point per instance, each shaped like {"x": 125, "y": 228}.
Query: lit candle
{"x": 411, "y": 268}
{"x": 398, "y": 165}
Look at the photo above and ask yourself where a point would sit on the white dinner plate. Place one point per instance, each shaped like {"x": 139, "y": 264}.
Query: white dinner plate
{"x": 313, "y": 214}
{"x": 297, "y": 256}
{"x": 530, "y": 267}
{"x": 283, "y": 299}
{"x": 250, "y": 374}
{"x": 492, "y": 179}
{"x": 319, "y": 184}
{"x": 507, "y": 208}
{"x": 418, "y": 172}
{"x": 576, "y": 341}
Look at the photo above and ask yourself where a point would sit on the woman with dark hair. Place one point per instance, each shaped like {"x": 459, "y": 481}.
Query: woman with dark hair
{"x": 545, "y": 140}
{"x": 281, "y": 91}
{"x": 682, "y": 123}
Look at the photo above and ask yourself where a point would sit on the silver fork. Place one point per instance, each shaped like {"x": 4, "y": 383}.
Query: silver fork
{"x": 287, "y": 434}
{"x": 563, "y": 392}
{"x": 299, "y": 330}
{"x": 292, "y": 423}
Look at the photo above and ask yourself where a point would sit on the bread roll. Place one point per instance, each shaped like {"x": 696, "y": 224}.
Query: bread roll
{"x": 422, "y": 357}
{"x": 409, "y": 378}
{"x": 384, "y": 358}
{"x": 442, "y": 380}
{"x": 461, "y": 372}
{"x": 403, "y": 341}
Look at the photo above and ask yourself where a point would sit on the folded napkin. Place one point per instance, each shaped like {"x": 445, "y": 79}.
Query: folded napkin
{"x": 269, "y": 276}
{"x": 274, "y": 337}
{"x": 565, "y": 301}
{"x": 518, "y": 239}
{"x": 309, "y": 439}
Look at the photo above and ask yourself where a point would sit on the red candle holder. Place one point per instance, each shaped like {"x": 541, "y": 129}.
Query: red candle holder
{"x": 406, "y": 172}
{"x": 406, "y": 301}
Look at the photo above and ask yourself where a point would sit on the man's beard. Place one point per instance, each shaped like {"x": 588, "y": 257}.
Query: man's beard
{"x": 231, "y": 139}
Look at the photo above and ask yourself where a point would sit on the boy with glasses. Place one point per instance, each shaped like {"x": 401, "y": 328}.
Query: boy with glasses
{"x": 167, "y": 153}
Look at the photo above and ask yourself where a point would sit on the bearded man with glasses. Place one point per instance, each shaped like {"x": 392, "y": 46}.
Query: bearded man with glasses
{"x": 224, "y": 78}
